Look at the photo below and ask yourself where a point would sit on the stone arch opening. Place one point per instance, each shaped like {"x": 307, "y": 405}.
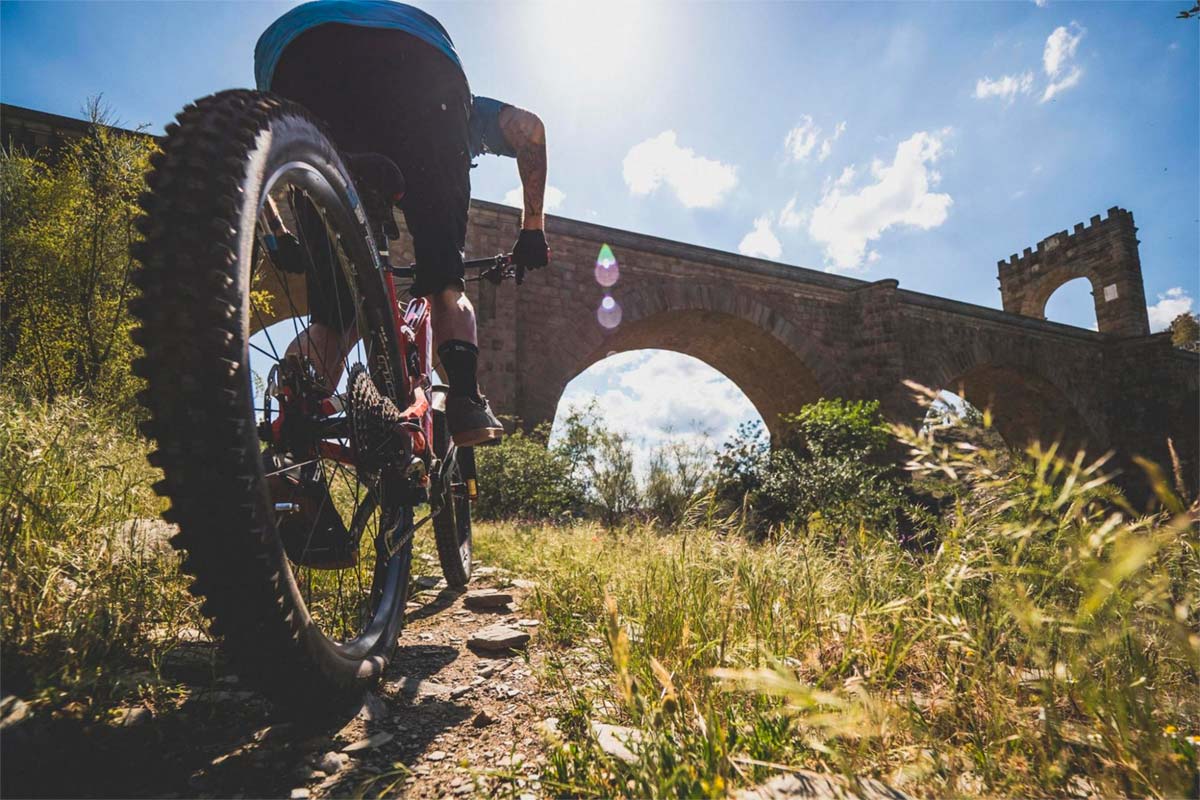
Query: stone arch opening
{"x": 1025, "y": 407}
{"x": 1071, "y": 302}
{"x": 773, "y": 377}
{"x": 659, "y": 399}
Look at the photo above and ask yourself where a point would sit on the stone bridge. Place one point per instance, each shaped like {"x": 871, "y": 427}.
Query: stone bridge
{"x": 787, "y": 335}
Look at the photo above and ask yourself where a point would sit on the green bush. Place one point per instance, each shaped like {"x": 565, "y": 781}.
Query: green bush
{"x": 525, "y": 478}
{"x": 66, "y": 229}
{"x": 678, "y": 473}
{"x": 829, "y": 464}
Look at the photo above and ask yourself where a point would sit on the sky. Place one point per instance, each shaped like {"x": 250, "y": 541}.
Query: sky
{"x": 917, "y": 141}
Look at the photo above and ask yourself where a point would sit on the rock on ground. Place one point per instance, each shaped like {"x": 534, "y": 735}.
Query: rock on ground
{"x": 615, "y": 740}
{"x": 487, "y": 598}
{"x": 805, "y": 785}
{"x": 499, "y": 639}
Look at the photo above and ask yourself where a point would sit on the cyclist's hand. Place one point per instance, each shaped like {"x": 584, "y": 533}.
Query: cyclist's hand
{"x": 531, "y": 250}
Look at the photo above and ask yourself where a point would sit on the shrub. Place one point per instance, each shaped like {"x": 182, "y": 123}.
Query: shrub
{"x": 525, "y": 478}
{"x": 677, "y": 475}
{"x": 829, "y": 464}
{"x": 67, "y": 228}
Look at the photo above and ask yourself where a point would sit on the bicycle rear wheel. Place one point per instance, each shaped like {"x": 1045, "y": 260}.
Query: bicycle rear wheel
{"x": 452, "y": 517}
{"x": 300, "y": 556}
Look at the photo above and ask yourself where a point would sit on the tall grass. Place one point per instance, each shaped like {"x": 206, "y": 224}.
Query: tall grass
{"x": 1048, "y": 645}
{"x": 84, "y": 590}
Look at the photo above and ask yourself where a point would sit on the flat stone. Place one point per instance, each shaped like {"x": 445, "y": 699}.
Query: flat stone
{"x": 459, "y": 691}
{"x": 615, "y": 740}
{"x": 436, "y": 755}
{"x": 374, "y": 708}
{"x": 426, "y": 582}
{"x": 369, "y": 743}
{"x": 499, "y": 639}
{"x": 483, "y": 719}
{"x": 486, "y": 598}
{"x": 13, "y": 710}
{"x": 804, "y": 785}
{"x": 529, "y": 623}
{"x": 300, "y": 794}
{"x": 521, "y": 583}
{"x": 136, "y": 716}
{"x": 420, "y": 688}
{"x": 331, "y": 763}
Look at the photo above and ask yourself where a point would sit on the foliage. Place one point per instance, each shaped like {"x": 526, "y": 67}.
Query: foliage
{"x": 676, "y": 478}
{"x": 1185, "y": 332}
{"x": 85, "y": 584}
{"x": 602, "y": 461}
{"x": 1049, "y": 646}
{"x": 829, "y": 464}
{"x": 67, "y": 227}
{"x": 524, "y": 478}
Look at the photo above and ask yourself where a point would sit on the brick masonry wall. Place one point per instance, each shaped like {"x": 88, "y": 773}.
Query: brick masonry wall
{"x": 787, "y": 335}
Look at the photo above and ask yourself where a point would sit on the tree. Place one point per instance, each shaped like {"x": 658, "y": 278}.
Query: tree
{"x": 678, "y": 472}
{"x": 66, "y": 230}
{"x": 829, "y": 462}
{"x": 1185, "y": 332}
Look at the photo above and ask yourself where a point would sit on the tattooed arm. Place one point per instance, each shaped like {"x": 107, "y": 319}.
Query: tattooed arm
{"x": 525, "y": 133}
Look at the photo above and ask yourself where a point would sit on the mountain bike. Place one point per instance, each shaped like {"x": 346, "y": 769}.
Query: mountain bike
{"x": 296, "y": 507}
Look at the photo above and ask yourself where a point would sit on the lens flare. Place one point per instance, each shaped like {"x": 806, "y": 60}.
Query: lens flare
{"x": 609, "y": 313}
{"x": 607, "y": 269}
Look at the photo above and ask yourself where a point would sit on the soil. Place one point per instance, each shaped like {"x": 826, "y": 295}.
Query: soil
{"x": 447, "y": 721}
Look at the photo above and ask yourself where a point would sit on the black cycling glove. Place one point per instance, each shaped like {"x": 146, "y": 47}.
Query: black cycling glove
{"x": 531, "y": 250}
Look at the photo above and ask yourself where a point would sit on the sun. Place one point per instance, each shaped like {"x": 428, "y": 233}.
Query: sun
{"x": 596, "y": 46}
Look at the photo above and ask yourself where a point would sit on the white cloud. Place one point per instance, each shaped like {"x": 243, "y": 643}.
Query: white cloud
{"x": 827, "y": 145}
{"x": 1041, "y": 3}
{"x": 791, "y": 217}
{"x": 1006, "y": 86}
{"x": 761, "y": 242}
{"x": 1066, "y": 82}
{"x": 845, "y": 220}
{"x": 554, "y": 198}
{"x": 1057, "y": 57}
{"x": 806, "y": 137}
{"x": 1170, "y": 305}
{"x": 697, "y": 181}
{"x": 801, "y": 139}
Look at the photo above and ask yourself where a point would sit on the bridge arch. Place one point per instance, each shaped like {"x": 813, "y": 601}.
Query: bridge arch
{"x": 749, "y": 343}
{"x": 1025, "y": 406}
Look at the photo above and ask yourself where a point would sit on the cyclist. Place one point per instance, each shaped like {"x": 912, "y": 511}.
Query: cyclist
{"x": 385, "y": 78}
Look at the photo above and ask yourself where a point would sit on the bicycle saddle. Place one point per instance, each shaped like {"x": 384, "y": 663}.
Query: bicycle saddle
{"x": 380, "y": 185}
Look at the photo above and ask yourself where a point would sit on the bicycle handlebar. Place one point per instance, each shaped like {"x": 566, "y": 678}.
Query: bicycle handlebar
{"x": 494, "y": 268}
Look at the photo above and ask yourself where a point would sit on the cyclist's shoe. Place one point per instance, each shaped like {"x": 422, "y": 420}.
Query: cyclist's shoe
{"x": 379, "y": 435}
{"x": 471, "y": 422}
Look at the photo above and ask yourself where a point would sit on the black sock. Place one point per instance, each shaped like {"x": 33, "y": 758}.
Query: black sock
{"x": 459, "y": 362}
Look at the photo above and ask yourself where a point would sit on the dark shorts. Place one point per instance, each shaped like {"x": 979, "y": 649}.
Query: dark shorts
{"x": 384, "y": 91}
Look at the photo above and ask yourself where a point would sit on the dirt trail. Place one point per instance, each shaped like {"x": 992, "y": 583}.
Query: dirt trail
{"x": 447, "y": 721}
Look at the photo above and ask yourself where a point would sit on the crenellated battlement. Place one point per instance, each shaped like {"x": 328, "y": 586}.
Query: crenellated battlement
{"x": 1118, "y": 222}
{"x": 1105, "y": 251}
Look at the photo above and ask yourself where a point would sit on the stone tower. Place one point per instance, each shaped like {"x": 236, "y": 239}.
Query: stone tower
{"x": 1105, "y": 252}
